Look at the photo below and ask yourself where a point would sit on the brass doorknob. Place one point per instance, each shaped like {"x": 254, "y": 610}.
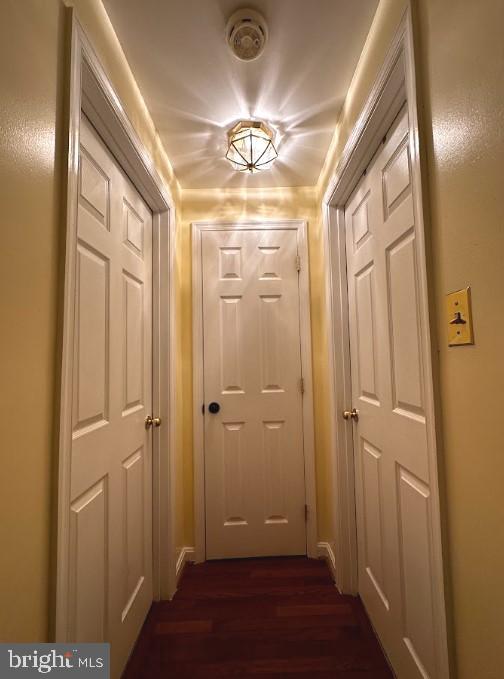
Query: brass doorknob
{"x": 149, "y": 421}
{"x": 351, "y": 414}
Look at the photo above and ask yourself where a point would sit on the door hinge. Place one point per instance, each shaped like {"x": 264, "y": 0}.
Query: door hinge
{"x": 203, "y": 409}
{"x": 298, "y": 263}
{"x": 301, "y": 385}
{"x": 306, "y": 512}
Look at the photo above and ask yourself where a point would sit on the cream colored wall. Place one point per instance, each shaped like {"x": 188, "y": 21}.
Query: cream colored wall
{"x": 460, "y": 57}
{"x": 32, "y": 81}
{"x": 235, "y": 204}
{"x": 462, "y": 96}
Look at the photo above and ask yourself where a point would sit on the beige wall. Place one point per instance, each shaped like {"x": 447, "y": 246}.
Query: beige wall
{"x": 236, "y": 204}
{"x": 34, "y": 56}
{"x": 462, "y": 64}
{"x": 460, "y": 56}
{"x": 30, "y": 154}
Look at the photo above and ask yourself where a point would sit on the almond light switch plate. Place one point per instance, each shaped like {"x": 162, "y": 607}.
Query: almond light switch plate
{"x": 459, "y": 318}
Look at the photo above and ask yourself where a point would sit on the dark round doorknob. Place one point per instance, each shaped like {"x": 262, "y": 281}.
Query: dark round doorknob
{"x": 214, "y": 408}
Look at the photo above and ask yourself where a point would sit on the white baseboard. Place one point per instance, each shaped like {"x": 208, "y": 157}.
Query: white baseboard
{"x": 186, "y": 554}
{"x": 325, "y": 551}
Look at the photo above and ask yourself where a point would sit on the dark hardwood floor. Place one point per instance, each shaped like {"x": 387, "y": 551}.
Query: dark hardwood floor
{"x": 279, "y": 617}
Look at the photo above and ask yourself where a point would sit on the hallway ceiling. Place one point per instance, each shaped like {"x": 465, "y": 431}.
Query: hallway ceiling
{"x": 196, "y": 89}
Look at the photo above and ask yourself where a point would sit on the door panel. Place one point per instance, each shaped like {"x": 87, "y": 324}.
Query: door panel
{"x": 232, "y": 464}
{"x": 88, "y": 565}
{"x": 254, "y": 460}
{"x": 392, "y": 473}
{"x": 414, "y": 544}
{"x": 366, "y": 334}
{"x": 407, "y": 390}
{"x": 91, "y": 395}
{"x": 231, "y": 344}
{"x": 133, "y": 356}
{"x": 274, "y": 451}
{"x": 110, "y": 550}
{"x": 134, "y": 508}
{"x": 373, "y": 557}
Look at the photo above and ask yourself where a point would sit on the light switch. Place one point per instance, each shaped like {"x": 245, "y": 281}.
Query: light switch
{"x": 459, "y": 318}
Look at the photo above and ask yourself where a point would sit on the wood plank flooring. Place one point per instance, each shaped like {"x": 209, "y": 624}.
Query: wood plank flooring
{"x": 278, "y": 617}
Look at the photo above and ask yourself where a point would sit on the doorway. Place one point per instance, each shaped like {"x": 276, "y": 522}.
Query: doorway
{"x": 390, "y": 439}
{"x": 253, "y": 406}
{"x": 115, "y": 493}
{"x": 386, "y": 467}
{"x": 110, "y": 538}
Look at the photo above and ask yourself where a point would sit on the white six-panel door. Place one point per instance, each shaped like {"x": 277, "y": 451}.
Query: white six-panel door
{"x": 392, "y": 476}
{"x": 254, "y": 460}
{"x": 110, "y": 550}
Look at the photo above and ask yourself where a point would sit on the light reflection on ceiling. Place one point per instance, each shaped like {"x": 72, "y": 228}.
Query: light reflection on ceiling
{"x": 195, "y": 89}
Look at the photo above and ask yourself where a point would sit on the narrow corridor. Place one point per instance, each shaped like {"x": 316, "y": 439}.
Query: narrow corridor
{"x": 277, "y": 617}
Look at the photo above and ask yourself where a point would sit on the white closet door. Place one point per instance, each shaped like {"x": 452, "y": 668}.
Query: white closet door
{"x": 110, "y": 550}
{"x": 391, "y": 453}
{"x": 254, "y": 460}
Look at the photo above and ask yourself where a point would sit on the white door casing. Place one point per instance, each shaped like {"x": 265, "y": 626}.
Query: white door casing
{"x": 393, "y": 491}
{"x": 395, "y": 86}
{"x": 110, "y": 538}
{"x": 92, "y": 93}
{"x": 254, "y": 462}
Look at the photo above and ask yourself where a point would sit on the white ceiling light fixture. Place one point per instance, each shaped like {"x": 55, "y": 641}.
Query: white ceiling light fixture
{"x": 251, "y": 148}
{"x": 246, "y": 33}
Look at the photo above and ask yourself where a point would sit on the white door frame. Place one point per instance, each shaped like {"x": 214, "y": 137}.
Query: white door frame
{"x": 92, "y": 92}
{"x": 395, "y": 85}
{"x": 301, "y": 228}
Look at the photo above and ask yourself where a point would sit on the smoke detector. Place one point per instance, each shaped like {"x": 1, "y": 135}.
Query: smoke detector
{"x": 246, "y": 34}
